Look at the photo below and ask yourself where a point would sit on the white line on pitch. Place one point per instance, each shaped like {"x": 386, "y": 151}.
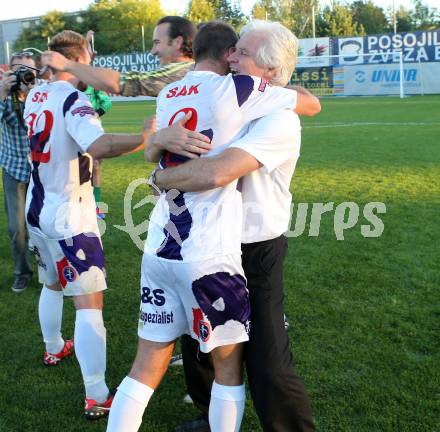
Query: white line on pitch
{"x": 336, "y": 125}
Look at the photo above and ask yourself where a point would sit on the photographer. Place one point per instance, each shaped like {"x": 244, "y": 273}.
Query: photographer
{"x": 14, "y": 149}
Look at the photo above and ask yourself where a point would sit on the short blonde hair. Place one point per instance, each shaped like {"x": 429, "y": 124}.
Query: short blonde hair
{"x": 69, "y": 43}
{"x": 278, "y": 49}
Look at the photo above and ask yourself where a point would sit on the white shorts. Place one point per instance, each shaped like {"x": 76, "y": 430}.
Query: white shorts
{"x": 77, "y": 263}
{"x": 206, "y": 299}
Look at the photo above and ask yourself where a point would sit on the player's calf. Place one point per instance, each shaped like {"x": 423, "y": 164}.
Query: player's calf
{"x": 135, "y": 391}
{"x": 228, "y": 394}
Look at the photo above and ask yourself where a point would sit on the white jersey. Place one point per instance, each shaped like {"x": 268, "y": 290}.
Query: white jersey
{"x": 194, "y": 226}
{"x": 61, "y": 126}
{"x": 275, "y": 141}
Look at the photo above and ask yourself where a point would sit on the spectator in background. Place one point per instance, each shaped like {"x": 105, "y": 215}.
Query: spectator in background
{"x": 14, "y": 150}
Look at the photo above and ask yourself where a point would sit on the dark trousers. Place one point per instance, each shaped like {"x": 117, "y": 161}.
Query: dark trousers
{"x": 279, "y": 396}
{"x": 14, "y": 201}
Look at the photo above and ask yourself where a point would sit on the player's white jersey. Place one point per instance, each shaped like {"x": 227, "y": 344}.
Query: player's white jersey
{"x": 196, "y": 226}
{"x": 61, "y": 126}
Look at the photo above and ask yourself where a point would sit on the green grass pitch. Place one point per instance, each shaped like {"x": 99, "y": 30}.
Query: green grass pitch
{"x": 364, "y": 312}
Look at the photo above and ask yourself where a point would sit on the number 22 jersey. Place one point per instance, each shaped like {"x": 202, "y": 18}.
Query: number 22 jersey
{"x": 61, "y": 126}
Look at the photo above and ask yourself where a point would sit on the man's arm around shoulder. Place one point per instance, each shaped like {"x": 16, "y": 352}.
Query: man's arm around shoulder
{"x": 307, "y": 104}
{"x": 99, "y": 78}
{"x": 208, "y": 173}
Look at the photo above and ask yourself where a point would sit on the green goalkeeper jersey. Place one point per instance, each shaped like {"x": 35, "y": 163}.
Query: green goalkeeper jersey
{"x": 99, "y": 99}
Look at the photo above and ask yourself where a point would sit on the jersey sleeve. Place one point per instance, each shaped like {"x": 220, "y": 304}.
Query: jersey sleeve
{"x": 255, "y": 97}
{"x": 82, "y": 123}
{"x": 272, "y": 139}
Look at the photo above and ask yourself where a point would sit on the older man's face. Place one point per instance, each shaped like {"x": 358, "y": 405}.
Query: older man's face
{"x": 242, "y": 60}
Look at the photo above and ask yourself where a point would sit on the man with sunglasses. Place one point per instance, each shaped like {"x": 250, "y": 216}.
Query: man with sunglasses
{"x": 14, "y": 149}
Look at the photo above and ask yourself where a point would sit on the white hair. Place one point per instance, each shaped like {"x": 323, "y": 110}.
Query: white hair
{"x": 278, "y": 49}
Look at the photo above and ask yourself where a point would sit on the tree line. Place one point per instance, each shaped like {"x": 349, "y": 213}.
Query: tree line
{"x": 127, "y": 25}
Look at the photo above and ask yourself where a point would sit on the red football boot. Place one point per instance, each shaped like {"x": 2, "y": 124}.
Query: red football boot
{"x": 94, "y": 410}
{"x": 54, "y": 359}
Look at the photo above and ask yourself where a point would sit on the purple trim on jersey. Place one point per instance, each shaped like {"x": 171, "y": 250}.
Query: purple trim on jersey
{"x": 171, "y": 159}
{"x": 90, "y": 244}
{"x": 177, "y": 228}
{"x": 209, "y": 133}
{"x": 244, "y": 85}
{"x": 36, "y": 205}
{"x": 227, "y": 293}
{"x": 70, "y": 100}
{"x": 84, "y": 168}
{"x": 36, "y": 145}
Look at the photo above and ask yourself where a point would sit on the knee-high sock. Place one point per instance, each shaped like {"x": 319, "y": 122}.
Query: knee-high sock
{"x": 226, "y": 407}
{"x": 50, "y": 313}
{"x": 90, "y": 349}
{"x": 128, "y": 406}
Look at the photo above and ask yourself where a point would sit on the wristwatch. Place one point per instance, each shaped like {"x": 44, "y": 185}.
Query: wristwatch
{"x": 152, "y": 180}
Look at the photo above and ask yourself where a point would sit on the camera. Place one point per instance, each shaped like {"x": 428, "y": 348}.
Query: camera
{"x": 24, "y": 75}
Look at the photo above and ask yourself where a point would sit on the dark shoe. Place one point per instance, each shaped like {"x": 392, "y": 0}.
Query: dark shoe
{"x": 200, "y": 424}
{"x": 21, "y": 283}
{"x": 286, "y": 322}
{"x": 176, "y": 360}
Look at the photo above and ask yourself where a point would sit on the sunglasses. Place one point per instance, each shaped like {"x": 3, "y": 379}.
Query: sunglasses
{"x": 27, "y": 52}
{"x": 22, "y": 54}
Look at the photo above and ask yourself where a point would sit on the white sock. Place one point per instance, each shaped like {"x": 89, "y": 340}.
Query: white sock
{"x": 90, "y": 350}
{"x": 128, "y": 406}
{"x": 226, "y": 407}
{"x": 50, "y": 313}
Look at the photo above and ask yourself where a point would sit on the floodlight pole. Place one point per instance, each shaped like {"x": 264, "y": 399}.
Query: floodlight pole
{"x": 394, "y": 17}
{"x": 313, "y": 21}
{"x": 143, "y": 38}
